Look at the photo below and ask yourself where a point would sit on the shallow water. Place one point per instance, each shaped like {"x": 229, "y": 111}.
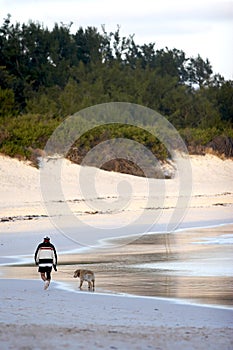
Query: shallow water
{"x": 194, "y": 265}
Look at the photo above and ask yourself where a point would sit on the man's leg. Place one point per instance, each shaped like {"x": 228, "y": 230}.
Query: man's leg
{"x": 48, "y": 277}
{"x": 43, "y": 276}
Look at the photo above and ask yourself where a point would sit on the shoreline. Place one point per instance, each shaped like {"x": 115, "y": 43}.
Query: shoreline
{"x": 107, "y": 242}
{"x": 24, "y": 257}
{"x": 73, "y": 320}
{"x": 124, "y": 260}
{"x": 179, "y": 230}
{"x": 64, "y": 286}
{"x": 37, "y": 287}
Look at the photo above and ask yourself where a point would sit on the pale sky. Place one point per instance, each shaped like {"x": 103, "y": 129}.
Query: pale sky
{"x": 202, "y": 27}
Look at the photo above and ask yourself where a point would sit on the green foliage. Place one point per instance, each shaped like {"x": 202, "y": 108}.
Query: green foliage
{"x": 46, "y": 76}
{"x": 201, "y": 136}
{"x": 118, "y": 131}
{"x": 198, "y": 139}
{"x": 7, "y": 102}
{"x": 25, "y": 132}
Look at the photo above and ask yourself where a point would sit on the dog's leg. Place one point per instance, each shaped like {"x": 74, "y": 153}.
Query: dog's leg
{"x": 93, "y": 285}
{"x": 89, "y": 285}
{"x": 81, "y": 283}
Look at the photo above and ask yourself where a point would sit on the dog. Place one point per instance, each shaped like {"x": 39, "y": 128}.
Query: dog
{"x": 85, "y": 275}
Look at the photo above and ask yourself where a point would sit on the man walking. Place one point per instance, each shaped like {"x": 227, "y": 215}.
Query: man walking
{"x": 46, "y": 258}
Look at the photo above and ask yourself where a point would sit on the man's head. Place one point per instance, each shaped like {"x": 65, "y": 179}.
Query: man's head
{"x": 46, "y": 239}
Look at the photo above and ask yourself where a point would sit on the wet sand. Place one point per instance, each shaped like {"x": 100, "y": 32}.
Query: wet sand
{"x": 193, "y": 265}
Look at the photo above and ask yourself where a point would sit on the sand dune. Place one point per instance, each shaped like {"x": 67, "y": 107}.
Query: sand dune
{"x": 20, "y": 192}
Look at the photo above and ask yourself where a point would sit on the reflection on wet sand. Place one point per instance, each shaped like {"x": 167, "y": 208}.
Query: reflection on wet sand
{"x": 192, "y": 265}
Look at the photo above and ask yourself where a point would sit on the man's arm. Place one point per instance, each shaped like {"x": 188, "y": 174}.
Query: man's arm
{"x": 35, "y": 255}
{"x": 55, "y": 255}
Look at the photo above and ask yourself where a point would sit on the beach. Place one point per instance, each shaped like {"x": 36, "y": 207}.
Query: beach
{"x": 154, "y": 289}
{"x": 38, "y": 319}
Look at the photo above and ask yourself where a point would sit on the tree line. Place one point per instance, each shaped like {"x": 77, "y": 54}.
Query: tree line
{"x": 47, "y": 75}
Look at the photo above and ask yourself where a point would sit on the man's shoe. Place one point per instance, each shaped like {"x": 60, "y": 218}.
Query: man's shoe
{"x": 46, "y": 285}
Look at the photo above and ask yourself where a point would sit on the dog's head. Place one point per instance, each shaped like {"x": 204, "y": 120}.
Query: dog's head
{"x": 76, "y": 273}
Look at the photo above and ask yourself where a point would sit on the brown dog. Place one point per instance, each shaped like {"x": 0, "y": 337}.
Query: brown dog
{"x": 86, "y": 275}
